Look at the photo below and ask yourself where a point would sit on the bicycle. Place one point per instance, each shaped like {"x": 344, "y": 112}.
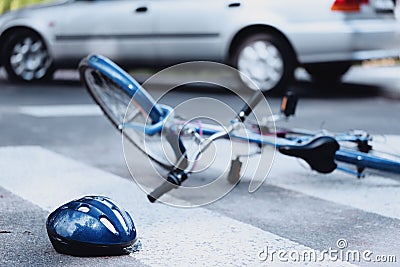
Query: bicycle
{"x": 144, "y": 122}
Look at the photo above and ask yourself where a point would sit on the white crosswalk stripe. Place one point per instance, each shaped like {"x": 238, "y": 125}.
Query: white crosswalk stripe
{"x": 170, "y": 236}
{"x": 372, "y": 194}
{"x": 43, "y": 111}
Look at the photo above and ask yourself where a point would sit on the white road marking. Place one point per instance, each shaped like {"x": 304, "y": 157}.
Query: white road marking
{"x": 170, "y": 236}
{"x": 61, "y": 110}
{"x": 373, "y": 193}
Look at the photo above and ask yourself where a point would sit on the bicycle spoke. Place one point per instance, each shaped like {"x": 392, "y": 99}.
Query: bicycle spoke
{"x": 115, "y": 98}
{"x": 116, "y": 103}
{"x": 132, "y": 115}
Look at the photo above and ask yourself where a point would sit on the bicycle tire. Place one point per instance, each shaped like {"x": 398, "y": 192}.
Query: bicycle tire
{"x": 106, "y": 82}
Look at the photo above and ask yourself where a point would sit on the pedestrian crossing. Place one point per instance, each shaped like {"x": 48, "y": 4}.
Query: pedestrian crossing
{"x": 199, "y": 236}
{"x": 374, "y": 194}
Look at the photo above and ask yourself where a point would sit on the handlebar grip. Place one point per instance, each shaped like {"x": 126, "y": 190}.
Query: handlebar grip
{"x": 250, "y": 105}
{"x": 174, "y": 180}
{"x": 161, "y": 190}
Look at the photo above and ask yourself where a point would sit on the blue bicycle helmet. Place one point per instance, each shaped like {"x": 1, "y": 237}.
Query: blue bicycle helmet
{"x": 91, "y": 226}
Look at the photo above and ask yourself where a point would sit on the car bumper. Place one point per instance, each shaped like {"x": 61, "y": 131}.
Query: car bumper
{"x": 350, "y": 41}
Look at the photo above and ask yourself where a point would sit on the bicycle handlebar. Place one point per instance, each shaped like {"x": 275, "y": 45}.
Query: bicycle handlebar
{"x": 250, "y": 105}
{"x": 161, "y": 190}
{"x": 174, "y": 180}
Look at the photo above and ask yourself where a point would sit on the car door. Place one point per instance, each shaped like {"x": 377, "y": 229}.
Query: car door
{"x": 118, "y": 29}
{"x": 189, "y": 29}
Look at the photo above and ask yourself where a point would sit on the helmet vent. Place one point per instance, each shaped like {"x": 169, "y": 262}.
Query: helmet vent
{"x": 108, "y": 224}
{"x": 84, "y": 209}
{"x": 120, "y": 218}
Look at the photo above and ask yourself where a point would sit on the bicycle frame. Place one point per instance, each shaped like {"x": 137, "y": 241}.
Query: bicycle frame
{"x": 212, "y": 133}
{"x": 304, "y": 145}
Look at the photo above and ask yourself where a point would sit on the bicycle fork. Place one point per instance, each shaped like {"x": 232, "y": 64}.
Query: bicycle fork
{"x": 178, "y": 174}
{"x": 187, "y": 160}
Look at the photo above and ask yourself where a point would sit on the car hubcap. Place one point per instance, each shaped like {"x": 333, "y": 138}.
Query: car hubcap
{"x": 262, "y": 63}
{"x": 30, "y": 59}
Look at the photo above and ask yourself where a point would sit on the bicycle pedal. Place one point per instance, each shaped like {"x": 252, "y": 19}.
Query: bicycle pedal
{"x": 289, "y": 103}
{"x": 234, "y": 172}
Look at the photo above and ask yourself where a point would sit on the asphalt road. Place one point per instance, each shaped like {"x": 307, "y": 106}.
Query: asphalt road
{"x": 44, "y": 153}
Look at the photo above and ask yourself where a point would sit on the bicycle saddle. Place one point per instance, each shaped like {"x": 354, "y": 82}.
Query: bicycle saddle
{"x": 319, "y": 153}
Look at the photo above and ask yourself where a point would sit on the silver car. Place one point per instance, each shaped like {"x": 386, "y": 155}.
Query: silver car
{"x": 264, "y": 39}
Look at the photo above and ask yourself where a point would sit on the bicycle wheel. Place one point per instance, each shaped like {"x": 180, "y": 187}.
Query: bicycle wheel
{"x": 124, "y": 102}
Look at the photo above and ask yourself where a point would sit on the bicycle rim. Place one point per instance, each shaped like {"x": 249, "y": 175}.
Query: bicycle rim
{"x": 121, "y": 110}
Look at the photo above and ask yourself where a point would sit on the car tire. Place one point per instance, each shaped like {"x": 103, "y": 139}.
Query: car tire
{"x": 26, "y": 57}
{"x": 328, "y": 72}
{"x": 267, "y": 60}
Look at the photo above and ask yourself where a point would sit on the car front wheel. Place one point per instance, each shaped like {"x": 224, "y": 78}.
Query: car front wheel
{"x": 265, "y": 59}
{"x": 26, "y": 57}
